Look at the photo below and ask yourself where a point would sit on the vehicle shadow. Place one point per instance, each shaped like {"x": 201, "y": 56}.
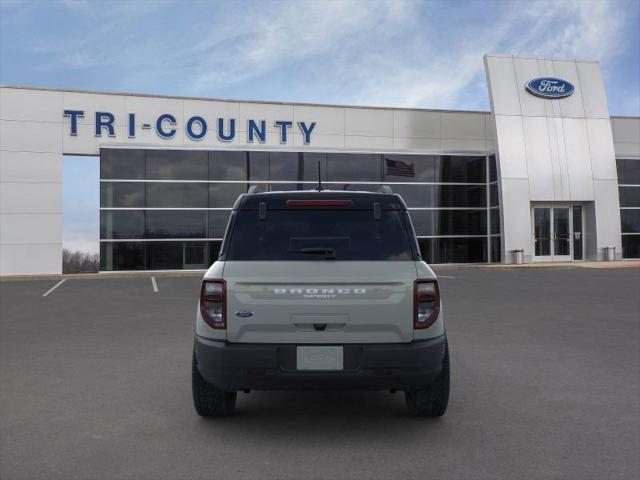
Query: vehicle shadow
{"x": 318, "y": 417}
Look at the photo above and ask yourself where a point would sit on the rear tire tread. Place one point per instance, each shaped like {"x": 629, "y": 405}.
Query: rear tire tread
{"x": 208, "y": 400}
{"x": 432, "y": 400}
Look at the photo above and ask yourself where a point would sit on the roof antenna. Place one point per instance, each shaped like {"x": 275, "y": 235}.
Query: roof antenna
{"x": 320, "y": 187}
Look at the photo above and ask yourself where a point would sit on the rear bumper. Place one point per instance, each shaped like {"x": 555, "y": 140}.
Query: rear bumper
{"x": 401, "y": 366}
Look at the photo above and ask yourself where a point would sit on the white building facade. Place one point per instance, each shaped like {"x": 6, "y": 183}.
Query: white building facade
{"x": 546, "y": 175}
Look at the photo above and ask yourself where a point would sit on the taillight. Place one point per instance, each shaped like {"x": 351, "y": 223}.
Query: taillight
{"x": 426, "y": 303}
{"x": 212, "y": 303}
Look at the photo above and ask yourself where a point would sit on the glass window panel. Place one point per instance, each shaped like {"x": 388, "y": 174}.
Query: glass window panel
{"x": 286, "y": 187}
{"x": 493, "y": 169}
{"x": 224, "y": 195}
{"x": 287, "y": 166}
{"x": 578, "y": 238}
{"x": 121, "y": 224}
{"x": 355, "y": 167}
{"x": 125, "y": 164}
{"x": 164, "y": 255}
{"x": 630, "y": 221}
{"x": 310, "y": 166}
{"x": 449, "y": 222}
{"x": 291, "y": 167}
{"x": 453, "y": 250}
{"x": 628, "y": 171}
{"x": 493, "y": 192}
{"x": 258, "y": 166}
{"x": 496, "y": 252}
{"x": 177, "y": 165}
{"x": 177, "y": 195}
{"x": 122, "y": 256}
{"x": 237, "y": 165}
{"x": 122, "y": 195}
{"x": 362, "y": 187}
{"x": 176, "y": 224}
{"x": 214, "y": 249}
{"x": 542, "y": 231}
{"x": 456, "y": 196}
{"x": 494, "y": 216}
{"x": 630, "y": 246}
{"x": 561, "y": 231}
{"x": 461, "y": 169}
{"x": 218, "y": 220}
{"x": 420, "y": 221}
{"x": 352, "y": 187}
{"x": 413, "y": 195}
{"x": 225, "y": 165}
{"x": 629, "y": 196}
{"x": 410, "y": 168}
{"x": 434, "y": 168}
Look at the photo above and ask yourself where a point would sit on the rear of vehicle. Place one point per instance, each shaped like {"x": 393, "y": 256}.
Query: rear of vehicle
{"x": 320, "y": 290}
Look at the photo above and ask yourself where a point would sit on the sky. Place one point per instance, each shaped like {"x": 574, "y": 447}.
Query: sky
{"x": 385, "y": 53}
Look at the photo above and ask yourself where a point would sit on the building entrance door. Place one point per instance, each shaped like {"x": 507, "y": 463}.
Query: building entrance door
{"x": 557, "y": 233}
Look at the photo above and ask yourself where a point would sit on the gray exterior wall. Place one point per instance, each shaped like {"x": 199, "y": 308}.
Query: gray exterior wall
{"x": 558, "y": 150}
{"x": 34, "y": 136}
{"x": 626, "y": 136}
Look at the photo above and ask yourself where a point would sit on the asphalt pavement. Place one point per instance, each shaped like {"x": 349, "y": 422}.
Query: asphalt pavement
{"x": 95, "y": 384}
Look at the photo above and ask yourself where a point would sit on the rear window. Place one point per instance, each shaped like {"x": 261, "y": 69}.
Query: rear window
{"x": 320, "y": 234}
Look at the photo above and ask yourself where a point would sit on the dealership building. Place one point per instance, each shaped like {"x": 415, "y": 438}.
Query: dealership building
{"x": 546, "y": 175}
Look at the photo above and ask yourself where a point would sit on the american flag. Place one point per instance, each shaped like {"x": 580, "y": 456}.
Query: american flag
{"x": 399, "y": 169}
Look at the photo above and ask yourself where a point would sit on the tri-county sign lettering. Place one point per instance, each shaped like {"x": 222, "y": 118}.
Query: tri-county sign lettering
{"x": 196, "y": 127}
{"x": 550, "y": 87}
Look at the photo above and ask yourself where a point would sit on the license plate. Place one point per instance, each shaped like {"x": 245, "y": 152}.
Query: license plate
{"x": 320, "y": 358}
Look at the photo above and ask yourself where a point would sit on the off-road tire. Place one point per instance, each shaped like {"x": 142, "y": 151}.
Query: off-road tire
{"x": 208, "y": 400}
{"x": 432, "y": 400}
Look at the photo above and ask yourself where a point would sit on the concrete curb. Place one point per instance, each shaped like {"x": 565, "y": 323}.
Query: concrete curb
{"x": 199, "y": 273}
{"x": 103, "y": 275}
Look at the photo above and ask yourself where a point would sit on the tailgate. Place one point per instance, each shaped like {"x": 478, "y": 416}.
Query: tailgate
{"x": 319, "y": 301}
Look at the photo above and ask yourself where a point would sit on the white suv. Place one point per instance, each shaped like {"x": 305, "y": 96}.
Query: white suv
{"x": 320, "y": 290}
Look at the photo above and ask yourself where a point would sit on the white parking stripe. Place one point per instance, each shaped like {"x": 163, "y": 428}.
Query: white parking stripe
{"x": 445, "y": 276}
{"x": 54, "y": 287}
{"x": 154, "y": 284}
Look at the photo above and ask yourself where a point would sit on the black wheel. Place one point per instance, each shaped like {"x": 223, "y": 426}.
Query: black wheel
{"x": 209, "y": 400}
{"x": 432, "y": 400}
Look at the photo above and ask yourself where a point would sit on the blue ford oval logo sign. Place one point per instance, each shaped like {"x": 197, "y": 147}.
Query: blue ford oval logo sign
{"x": 244, "y": 314}
{"x": 550, "y": 87}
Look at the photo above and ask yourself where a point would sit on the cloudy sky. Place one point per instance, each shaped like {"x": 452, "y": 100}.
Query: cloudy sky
{"x": 392, "y": 53}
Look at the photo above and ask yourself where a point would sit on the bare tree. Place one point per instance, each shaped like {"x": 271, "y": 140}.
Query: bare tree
{"x": 79, "y": 262}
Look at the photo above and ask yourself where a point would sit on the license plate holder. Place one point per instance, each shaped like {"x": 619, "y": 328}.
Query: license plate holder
{"x": 320, "y": 358}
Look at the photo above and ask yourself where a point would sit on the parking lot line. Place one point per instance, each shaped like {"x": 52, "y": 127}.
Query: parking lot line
{"x": 445, "y": 276}
{"x": 154, "y": 284}
{"x": 54, "y": 287}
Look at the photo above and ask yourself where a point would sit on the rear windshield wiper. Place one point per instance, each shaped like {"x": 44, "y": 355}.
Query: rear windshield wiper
{"x": 329, "y": 253}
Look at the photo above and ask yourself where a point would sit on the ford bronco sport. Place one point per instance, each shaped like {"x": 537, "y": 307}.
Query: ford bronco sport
{"x": 320, "y": 290}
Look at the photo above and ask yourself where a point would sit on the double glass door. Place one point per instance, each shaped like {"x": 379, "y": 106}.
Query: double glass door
{"x": 557, "y": 233}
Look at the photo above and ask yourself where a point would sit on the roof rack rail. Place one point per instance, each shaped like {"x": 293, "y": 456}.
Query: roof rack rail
{"x": 253, "y": 189}
{"x": 385, "y": 189}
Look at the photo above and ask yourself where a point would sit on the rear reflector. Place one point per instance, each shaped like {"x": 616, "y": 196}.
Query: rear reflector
{"x": 319, "y": 203}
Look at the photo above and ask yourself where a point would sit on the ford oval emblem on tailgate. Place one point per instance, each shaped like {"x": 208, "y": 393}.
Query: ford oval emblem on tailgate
{"x": 244, "y": 313}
